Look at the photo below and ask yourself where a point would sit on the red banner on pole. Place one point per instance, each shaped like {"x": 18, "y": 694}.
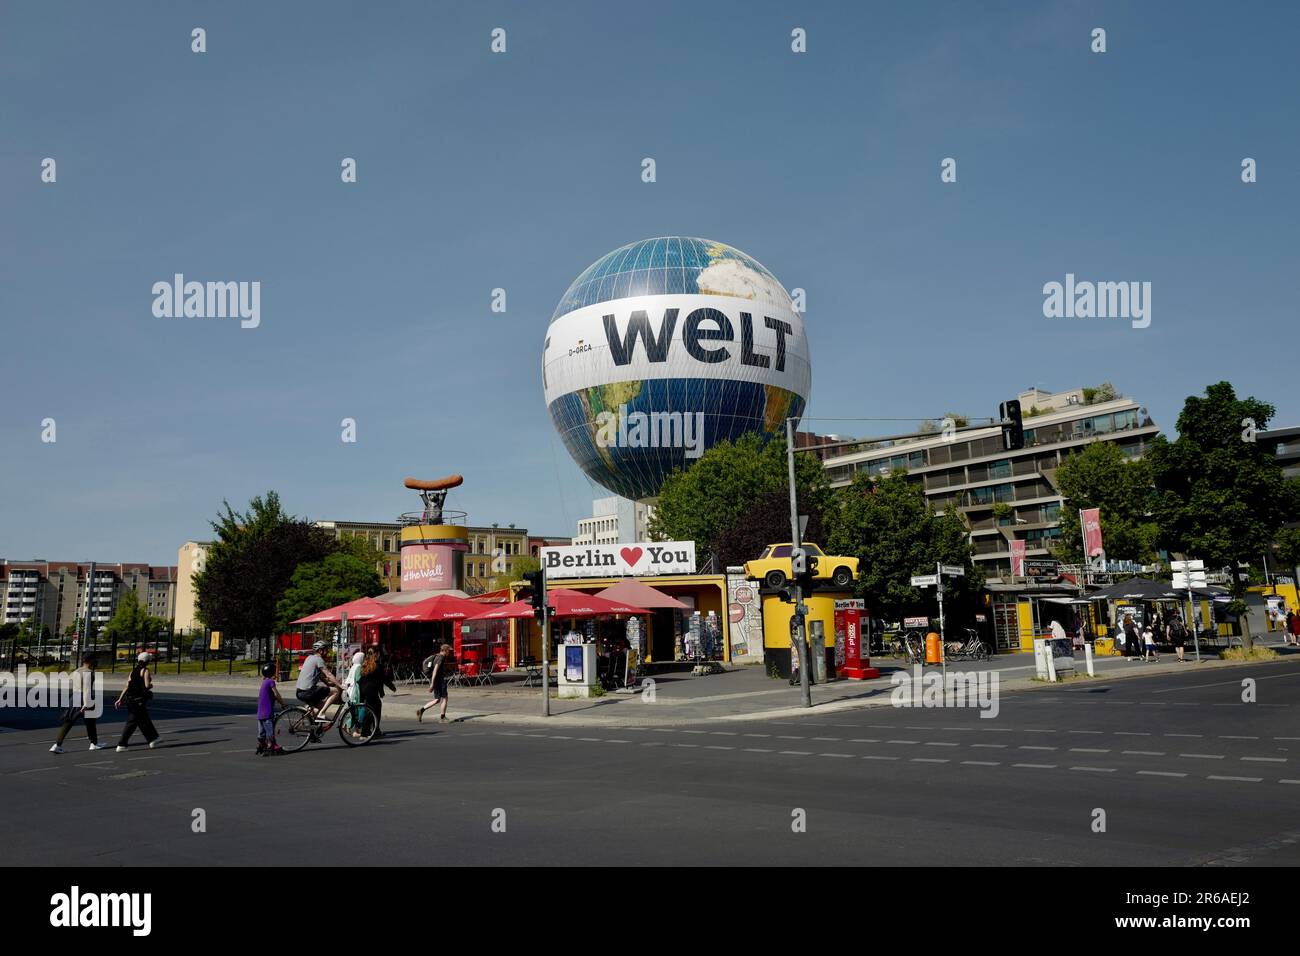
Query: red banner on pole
{"x": 1018, "y": 558}
{"x": 1090, "y": 519}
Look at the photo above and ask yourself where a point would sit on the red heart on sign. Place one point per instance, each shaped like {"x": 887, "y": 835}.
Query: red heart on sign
{"x": 631, "y": 556}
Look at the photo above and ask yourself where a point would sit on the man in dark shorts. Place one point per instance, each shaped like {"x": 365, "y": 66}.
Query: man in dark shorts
{"x": 317, "y": 687}
{"x": 1177, "y": 634}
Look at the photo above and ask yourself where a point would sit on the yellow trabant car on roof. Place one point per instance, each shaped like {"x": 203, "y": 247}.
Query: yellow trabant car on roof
{"x": 772, "y": 567}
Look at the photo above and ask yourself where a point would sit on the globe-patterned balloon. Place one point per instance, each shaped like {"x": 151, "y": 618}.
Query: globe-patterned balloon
{"x": 662, "y": 349}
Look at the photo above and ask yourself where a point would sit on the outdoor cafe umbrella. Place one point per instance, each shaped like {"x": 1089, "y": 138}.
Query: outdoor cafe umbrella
{"x": 632, "y": 591}
{"x": 441, "y": 607}
{"x": 360, "y": 609}
{"x": 1137, "y": 589}
{"x": 567, "y": 603}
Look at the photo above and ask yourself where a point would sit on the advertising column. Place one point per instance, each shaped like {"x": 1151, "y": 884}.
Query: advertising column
{"x": 433, "y": 557}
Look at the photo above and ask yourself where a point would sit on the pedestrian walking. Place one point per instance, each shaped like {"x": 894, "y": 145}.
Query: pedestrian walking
{"x": 1149, "y": 644}
{"x": 352, "y": 685}
{"x": 83, "y": 698}
{"x": 268, "y": 696}
{"x": 375, "y": 676}
{"x": 136, "y": 695}
{"x": 1131, "y": 638}
{"x": 1292, "y": 628}
{"x": 1177, "y": 634}
{"x": 442, "y": 664}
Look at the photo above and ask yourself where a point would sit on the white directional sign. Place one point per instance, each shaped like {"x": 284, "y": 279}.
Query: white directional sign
{"x": 924, "y": 580}
{"x": 954, "y": 570}
{"x": 1187, "y": 565}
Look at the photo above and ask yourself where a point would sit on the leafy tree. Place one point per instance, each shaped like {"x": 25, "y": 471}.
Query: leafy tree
{"x": 1220, "y": 495}
{"x": 335, "y": 579}
{"x": 131, "y": 624}
{"x": 522, "y": 564}
{"x": 709, "y": 500}
{"x": 895, "y": 533}
{"x": 1105, "y": 392}
{"x": 251, "y": 563}
{"x": 765, "y": 521}
{"x": 1287, "y": 548}
{"x": 1101, "y": 476}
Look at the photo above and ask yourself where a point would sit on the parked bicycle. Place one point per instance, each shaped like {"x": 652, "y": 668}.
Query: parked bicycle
{"x": 909, "y": 646}
{"x": 296, "y": 727}
{"x": 971, "y": 649}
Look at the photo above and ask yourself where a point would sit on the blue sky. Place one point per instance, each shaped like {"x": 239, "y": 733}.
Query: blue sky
{"x": 479, "y": 171}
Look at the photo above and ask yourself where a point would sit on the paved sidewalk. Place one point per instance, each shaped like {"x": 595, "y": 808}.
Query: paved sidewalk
{"x": 741, "y": 693}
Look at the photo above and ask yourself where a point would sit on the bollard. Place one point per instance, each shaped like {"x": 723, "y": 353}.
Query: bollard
{"x": 1087, "y": 656}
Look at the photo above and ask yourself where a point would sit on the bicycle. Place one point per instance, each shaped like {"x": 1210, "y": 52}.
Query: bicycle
{"x": 909, "y": 646}
{"x": 972, "y": 649}
{"x": 296, "y": 727}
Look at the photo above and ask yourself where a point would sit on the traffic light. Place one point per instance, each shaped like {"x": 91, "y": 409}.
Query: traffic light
{"x": 537, "y": 581}
{"x": 807, "y": 578}
{"x": 1013, "y": 432}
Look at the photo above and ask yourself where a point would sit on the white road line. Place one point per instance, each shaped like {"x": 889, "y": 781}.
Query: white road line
{"x": 1286, "y": 738}
{"x": 1036, "y": 766}
{"x": 1090, "y": 750}
{"x": 982, "y": 763}
{"x": 997, "y": 746}
{"x": 788, "y": 737}
{"x": 723, "y": 733}
{"x": 1131, "y": 733}
{"x": 1225, "y": 683}
{"x": 686, "y": 745}
{"x": 1266, "y": 759}
{"x": 864, "y": 740}
{"x": 560, "y": 737}
{"x": 1289, "y": 781}
{"x": 1085, "y": 731}
{"x": 1160, "y": 773}
{"x": 1235, "y": 737}
{"x": 902, "y": 741}
{"x": 1035, "y": 730}
{"x": 1203, "y": 756}
{"x": 956, "y": 728}
{"x": 939, "y": 743}
{"x": 590, "y": 740}
{"x": 38, "y": 770}
{"x": 695, "y": 731}
{"x": 1238, "y": 779}
{"x": 1096, "y": 769}
{"x": 718, "y": 747}
{"x": 1033, "y": 747}
{"x": 828, "y": 738}
{"x": 798, "y": 753}
{"x": 654, "y": 743}
{"x": 615, "y": 740}
{"x": 756, "y": 750}
{"x": 1144, "y": 753}
{"x": 758, "y": 735}
{"x": 877, "y": 757}
{"x": 1184, "y": 735}
{"x": 929, "y": 760}
{"x": 836, "y": 755}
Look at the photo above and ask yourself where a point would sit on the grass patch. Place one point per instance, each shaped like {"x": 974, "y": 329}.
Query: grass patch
{"x": 1256, "y": 653}
{"x": 1063, "y": 678}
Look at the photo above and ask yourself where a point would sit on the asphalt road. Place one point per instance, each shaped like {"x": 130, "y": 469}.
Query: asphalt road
{"x": 1184, "y": 771}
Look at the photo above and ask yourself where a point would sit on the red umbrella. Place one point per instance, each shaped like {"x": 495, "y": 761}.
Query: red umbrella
{"x": 567, "y": 603}
{"x": 440, "y": 607}
{"x": 359, "y": 609}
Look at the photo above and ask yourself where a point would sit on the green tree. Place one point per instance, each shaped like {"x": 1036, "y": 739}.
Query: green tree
{"x": 1220, "y": 495}
{"x": 251, "y": 563}
{"x": 716, "y": 494}
{"x": 1100, "y": 476}
{"x": 335, "y": 579}
{"x": 895, "y": 533}
{"x": 521, "y": 565}
{"x": 131, "y": 624}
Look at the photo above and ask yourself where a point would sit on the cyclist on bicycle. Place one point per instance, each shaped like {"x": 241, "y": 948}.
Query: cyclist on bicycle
{"x": 317, "y": 687}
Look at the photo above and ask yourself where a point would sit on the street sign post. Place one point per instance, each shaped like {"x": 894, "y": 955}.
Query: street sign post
{"x": 1187, "y": 575}
{"x": 924, "y": 580}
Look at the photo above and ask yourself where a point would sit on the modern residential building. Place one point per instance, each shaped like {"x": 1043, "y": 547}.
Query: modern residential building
{"x": 52, "y": 594}
{"x": 614, "y": 520}
{"x": 972, "y": 473}
{"x": 189, "y": 562}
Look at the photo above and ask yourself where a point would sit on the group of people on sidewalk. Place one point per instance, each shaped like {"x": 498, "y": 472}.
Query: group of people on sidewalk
{"x": 1136, "y": 643}
{"x": 135, "y": 698}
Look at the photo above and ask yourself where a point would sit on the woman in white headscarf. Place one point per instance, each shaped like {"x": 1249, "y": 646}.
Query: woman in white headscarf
{"x": 352, "y": 684}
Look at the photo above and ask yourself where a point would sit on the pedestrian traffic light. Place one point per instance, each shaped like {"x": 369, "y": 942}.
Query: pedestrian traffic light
{"x": 1013, "y": 432}
{"x": 537, "y": 581}
{"x": 807, "y": 578}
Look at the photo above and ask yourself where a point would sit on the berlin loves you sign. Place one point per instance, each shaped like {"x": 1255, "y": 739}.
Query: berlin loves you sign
{"x": 619, "y": 560}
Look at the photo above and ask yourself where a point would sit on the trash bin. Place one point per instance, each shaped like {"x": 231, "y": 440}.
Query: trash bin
{"x": 933, "y": 652}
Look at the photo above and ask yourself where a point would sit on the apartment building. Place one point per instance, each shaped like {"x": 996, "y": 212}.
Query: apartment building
{"x": 973, "y": 474}
{"x": 614, "y": 520}
{"x": 54, "y": 594}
